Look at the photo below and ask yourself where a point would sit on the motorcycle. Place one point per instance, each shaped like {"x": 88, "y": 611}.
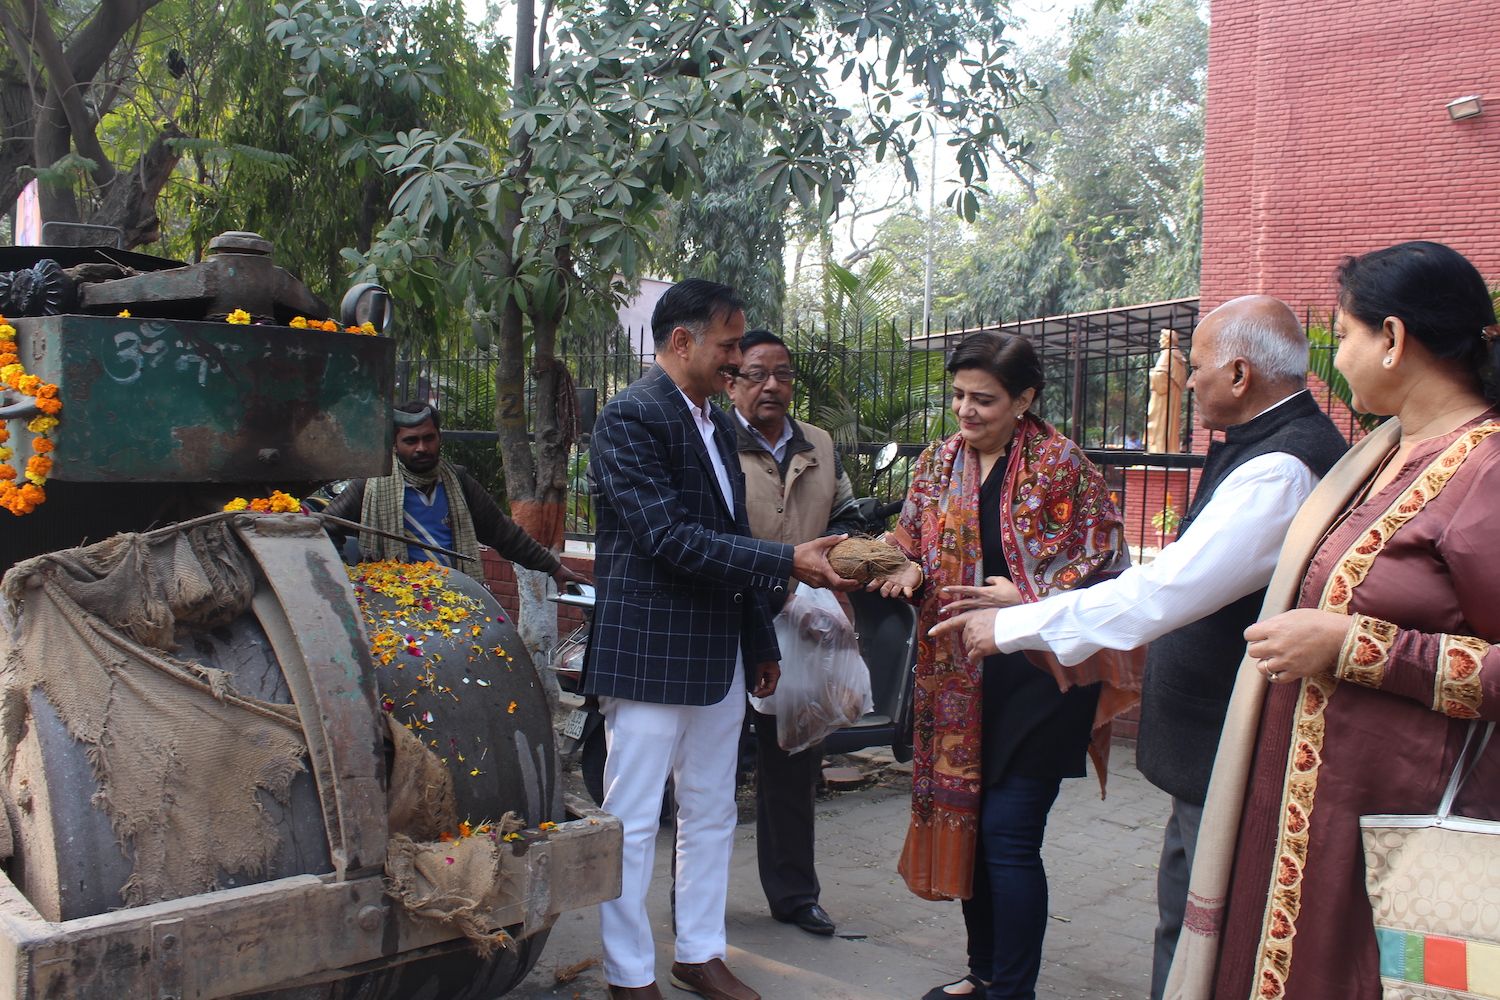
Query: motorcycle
{"x": 887, "y": 635}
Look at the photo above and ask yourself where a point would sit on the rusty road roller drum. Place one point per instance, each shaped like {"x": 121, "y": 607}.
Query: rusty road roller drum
{"x": 233, "y": 766}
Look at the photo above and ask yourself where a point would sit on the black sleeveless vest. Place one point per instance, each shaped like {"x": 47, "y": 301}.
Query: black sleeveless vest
{"x": 1190, "y": 671}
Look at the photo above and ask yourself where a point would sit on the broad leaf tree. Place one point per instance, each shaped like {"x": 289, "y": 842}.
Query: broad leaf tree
{"x": 613, "y": 107}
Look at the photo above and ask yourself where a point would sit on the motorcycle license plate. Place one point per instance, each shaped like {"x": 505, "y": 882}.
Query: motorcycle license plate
{"x": 573, "y": 728}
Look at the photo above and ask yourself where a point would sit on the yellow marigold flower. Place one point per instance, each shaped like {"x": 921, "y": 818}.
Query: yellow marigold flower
{"x": 298, "y": 323}
{"x": 6, "y": 330}
{"x": 12, "y": 372}
{"x": 367, "y": 328}
{"x": 28, "y": 384}
{"x": 123, "y": 314}
{"x": 41, "y": 425}
{"x": 511, "y": 838}
{"x": 5, "y": 453}
{"x": 238, "y": 503}
{"x": 239, "y": 317}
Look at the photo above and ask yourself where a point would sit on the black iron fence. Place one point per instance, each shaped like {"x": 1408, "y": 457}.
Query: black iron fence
{"x": 874, "y": 383}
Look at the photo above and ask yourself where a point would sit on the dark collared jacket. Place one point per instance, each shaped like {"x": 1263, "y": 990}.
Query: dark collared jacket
{"x": 681, "y": 585}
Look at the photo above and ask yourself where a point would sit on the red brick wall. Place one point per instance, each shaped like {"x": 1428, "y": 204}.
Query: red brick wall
{"x": 500, "y": 580}
{"x": 1327, "y": 135}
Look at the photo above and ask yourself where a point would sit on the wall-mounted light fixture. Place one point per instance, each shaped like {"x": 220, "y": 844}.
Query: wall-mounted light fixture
{"x": 1465, "y": 107}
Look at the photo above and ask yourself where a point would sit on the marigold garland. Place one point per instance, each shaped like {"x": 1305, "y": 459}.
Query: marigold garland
{"x": 277, "y": 503}
{"x": 366, "y": 328}
{"x": 241, "y": 318}
{"x": 25, "y": 498}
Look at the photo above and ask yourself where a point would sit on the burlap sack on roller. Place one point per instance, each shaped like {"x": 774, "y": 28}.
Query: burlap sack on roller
{"x": 419, "y": 798}
{"x": 459, "y": 883}
{"x": 179, "y": 756}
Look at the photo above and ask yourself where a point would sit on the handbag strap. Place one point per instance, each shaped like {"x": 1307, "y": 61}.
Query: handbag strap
{"x": 1463, "y": 767}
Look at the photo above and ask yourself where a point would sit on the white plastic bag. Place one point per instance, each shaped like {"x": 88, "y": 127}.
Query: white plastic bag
{"x": 824, "y": 684}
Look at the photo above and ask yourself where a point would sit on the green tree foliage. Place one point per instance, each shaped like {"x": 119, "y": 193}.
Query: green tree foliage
{"x": 613, "y": 109}
{"x": 726, "y": 232}
{"x": 398, "y": 67}
{"x": 1108, "y": 208}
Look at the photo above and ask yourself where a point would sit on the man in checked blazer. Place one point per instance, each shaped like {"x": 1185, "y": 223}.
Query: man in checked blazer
{"x": 682, "y": 627}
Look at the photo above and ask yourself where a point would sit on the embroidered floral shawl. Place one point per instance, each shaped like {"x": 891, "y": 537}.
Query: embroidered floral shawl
{"x": 1059, "y": 530}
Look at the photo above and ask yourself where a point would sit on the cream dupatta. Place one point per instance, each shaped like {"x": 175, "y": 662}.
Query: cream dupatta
{"x": 1196, "y": 960}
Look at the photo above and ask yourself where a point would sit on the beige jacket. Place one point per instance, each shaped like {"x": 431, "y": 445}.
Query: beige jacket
{"x": 792, "y": 502}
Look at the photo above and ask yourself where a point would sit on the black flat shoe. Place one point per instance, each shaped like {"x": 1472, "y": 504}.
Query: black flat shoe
{"x": 976, "y": 989}
{"x": 811, "y": 918}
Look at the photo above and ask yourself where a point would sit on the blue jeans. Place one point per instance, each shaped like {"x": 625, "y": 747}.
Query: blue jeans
{"x": 1007, "y": 914}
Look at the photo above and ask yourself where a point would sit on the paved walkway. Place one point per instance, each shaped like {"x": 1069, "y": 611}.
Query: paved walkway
{"x": 1101, "y": 862}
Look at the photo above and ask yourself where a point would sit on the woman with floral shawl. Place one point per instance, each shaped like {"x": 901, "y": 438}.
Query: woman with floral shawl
{"x": 1006, "y": 510}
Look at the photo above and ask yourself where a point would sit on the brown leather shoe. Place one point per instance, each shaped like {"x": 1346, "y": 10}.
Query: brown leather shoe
{"x": 711, "y": 979}
{"x": 634, "y": 992}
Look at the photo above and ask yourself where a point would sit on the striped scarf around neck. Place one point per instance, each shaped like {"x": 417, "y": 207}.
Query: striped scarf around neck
{"x": 385, "y": 510}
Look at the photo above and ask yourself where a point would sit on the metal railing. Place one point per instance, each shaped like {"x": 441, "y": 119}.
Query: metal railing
{"x": 873, "y": 383}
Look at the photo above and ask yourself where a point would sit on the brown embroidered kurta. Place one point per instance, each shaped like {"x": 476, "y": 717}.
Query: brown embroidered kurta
{"x": 1416, "y": 567}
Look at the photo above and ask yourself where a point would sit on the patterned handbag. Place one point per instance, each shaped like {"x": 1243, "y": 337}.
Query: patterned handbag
{"x": 1434, "y": 886}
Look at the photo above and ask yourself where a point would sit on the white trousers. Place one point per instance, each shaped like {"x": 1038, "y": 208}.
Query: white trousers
{"x": 698, "y": 747}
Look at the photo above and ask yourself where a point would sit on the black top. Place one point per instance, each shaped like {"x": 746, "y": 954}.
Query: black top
{"x": 1030, "y": 728}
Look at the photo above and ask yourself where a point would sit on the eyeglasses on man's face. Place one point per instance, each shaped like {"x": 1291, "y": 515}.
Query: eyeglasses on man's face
{"x": 758, "y": 375}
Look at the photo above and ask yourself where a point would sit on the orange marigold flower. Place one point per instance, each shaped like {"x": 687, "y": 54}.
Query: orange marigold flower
{"x": 7, "y": 473}
{"x": 282, "y": 503}
{"x": 41, "y": 446}
{"x": 51, "y": 407}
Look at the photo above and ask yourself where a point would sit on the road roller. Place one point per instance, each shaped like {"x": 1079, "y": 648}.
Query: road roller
{"x": 231, "y": 763}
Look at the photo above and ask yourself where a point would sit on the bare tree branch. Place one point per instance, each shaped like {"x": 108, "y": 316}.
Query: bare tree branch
{"x": 63, "y": 88}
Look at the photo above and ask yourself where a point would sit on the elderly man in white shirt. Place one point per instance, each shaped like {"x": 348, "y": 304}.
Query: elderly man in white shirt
{"x": 1193, "y": 603}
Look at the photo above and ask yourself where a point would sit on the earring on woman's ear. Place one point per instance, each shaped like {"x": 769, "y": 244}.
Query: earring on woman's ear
{"x": 1388, "y": 361}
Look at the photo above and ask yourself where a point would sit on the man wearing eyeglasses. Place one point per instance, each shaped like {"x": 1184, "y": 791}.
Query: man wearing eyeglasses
{"x": 793, "y": 483}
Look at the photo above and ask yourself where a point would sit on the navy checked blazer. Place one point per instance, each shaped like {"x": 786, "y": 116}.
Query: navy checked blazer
{"x": 681, "y": 585}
